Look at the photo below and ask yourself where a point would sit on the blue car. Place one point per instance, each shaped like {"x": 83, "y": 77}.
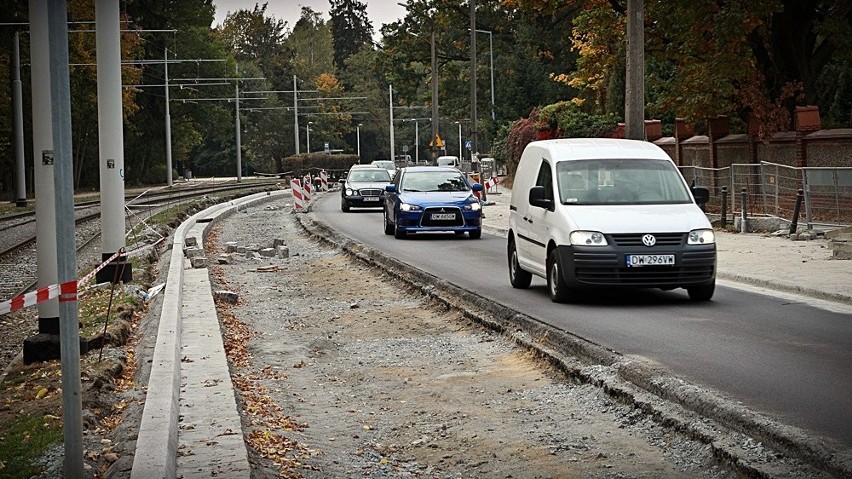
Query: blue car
{"x": 432, "y": 198}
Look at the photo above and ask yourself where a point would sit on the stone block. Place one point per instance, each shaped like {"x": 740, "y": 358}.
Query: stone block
{"x": 224, "y": 259}
{"x": 227, "y": 296}
{"x": 284, "y": 251}
{"x": 268, "y": 252}
{"x": 199, "y": 262}
{"x": 231, "y": 247}
{"x": 190, "y": 241}
{"x": 193, "y": 252}
{"x": 278, "y": 242}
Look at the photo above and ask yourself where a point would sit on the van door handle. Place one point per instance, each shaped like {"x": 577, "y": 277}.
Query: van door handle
{"x": 528, "y": 220}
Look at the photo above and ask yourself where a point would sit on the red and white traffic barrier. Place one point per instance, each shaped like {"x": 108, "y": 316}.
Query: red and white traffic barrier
{"x": 296, "y": 191}
{"x": 492, "y": 183}
{"x": 306, "y": 189}
{"x": 324, "y": 180}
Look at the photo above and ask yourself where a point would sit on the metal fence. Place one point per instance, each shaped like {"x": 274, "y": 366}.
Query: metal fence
{"x": 771, "y": 189}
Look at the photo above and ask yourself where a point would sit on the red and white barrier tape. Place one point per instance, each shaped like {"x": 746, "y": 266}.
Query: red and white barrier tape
{"x": 68, "y": 290}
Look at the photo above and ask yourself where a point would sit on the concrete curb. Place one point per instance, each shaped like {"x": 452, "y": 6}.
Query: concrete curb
{"x": 623, "y": 378}
{"x": 157, "y": 442}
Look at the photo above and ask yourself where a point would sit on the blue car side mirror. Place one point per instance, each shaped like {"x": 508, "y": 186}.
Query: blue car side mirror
{"x": 390, "y": 188}
{"x": 476, "y": 187}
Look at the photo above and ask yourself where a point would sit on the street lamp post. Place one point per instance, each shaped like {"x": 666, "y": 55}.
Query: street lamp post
{"x": 491, "y": 57}
{"x": 309, "y": 135}
{"x": 358, "y": 139}
{"x": 461, "y": 155}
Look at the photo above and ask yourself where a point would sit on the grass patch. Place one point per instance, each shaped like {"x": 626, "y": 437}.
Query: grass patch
{"x": 25, "y": 440}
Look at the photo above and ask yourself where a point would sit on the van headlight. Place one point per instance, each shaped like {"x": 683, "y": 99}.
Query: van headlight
{"x": 702, "y": 236}
{"x": 409, "y": 207}
{"x": 587, "y": 238}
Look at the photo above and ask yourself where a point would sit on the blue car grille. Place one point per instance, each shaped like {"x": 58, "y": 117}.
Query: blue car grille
{"x": 456, "y": 220}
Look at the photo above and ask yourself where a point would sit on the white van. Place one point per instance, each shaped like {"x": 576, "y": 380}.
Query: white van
{"x": 452, "y": 161}
{"x": 598, "y": 213}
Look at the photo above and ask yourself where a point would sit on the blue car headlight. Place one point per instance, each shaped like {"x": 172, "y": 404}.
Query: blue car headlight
{"x": 473, "y": 206}
{"x": 408, "y": 207}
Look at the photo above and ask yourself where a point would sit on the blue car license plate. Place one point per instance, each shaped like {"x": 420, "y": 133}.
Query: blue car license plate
{"x": 443, "y": 216}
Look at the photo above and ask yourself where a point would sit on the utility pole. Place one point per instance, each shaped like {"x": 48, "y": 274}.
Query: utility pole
{"x": 168, "y": 125}
{"x": 634, "y": 98}
{"x": 69, "y": 334}
{"x": 435, "y": 130}
{"x": 296, "y": 113}
{"x": 17, "y": 103}
{"x": 390, "y": 99}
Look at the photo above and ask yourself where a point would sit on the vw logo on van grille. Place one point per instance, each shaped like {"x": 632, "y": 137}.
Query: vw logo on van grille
{"x": 649, "y": 240}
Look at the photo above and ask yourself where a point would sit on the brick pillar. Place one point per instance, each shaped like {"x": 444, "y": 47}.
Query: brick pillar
{"x": 653, "y": 130}
{"x": 683, "y": 130}
{"x": 807, "y": 121}
{"x": 717, "y": 127}
{"x": 753, "y": 137}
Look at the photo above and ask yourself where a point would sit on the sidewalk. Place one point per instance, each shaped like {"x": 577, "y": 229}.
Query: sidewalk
{"x": 803, "y": 267}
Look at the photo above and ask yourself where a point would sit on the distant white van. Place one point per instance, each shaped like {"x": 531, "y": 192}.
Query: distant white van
{"x": 452, "y": 161}
{"x": 599, "y": 213}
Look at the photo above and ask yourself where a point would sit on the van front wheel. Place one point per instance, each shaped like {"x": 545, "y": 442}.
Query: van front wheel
{"x": 702, "y": 293}
{"x": 519, "y": 278}
{"x": 559, "y": 292}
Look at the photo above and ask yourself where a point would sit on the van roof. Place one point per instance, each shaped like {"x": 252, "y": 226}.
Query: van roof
{"x": 595, "y": 148}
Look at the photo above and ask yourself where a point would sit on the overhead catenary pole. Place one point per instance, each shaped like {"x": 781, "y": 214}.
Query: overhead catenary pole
{"x": 17, "y": 104}
{"x": 43, "y": 171}
{"x": 69, "y": 335}
{"x": 110, "y": 139}
{"x": 296, "y": 114}
{"x": 239, "y": 132}
{"x": 435, "y": 129}
{"x": 390, "y": 99}
{"x": 634, "y": 98}
{"x": 168, "y": 125}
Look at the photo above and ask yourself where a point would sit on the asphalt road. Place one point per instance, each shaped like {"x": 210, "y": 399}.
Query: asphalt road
{"x": 788, "y": 360}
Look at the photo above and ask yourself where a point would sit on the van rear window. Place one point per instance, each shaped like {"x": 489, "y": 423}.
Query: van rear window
{"x": 620, "y": 181}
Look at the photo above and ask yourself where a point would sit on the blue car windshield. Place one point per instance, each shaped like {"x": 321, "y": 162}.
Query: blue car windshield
{"x": 620, "y": 181}
{"x": 434, "y": 181}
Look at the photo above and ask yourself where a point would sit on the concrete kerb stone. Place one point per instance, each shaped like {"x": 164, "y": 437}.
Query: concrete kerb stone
{"x": 622, "y": 378}
{"x": 156, "y": 445}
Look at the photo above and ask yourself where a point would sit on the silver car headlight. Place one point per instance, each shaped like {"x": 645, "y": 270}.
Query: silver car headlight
{"x": 587, "y": 238}
{"x": 409, "y": 207}
{"x": 702, "y": 236}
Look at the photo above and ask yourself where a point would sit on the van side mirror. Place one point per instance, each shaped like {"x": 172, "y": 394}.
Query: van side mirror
{"x": 701, "y": 194}
{"x": 536, "y": 198}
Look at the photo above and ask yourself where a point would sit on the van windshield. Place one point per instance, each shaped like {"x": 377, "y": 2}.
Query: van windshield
{"x": 620, "y": 181}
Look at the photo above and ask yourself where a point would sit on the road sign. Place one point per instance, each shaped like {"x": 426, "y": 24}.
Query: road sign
{"x": 437, "y": 142}
{"x": 468, "y": 144}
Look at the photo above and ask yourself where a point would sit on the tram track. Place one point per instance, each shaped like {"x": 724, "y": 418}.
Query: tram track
{"x": 19, "y": 258}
